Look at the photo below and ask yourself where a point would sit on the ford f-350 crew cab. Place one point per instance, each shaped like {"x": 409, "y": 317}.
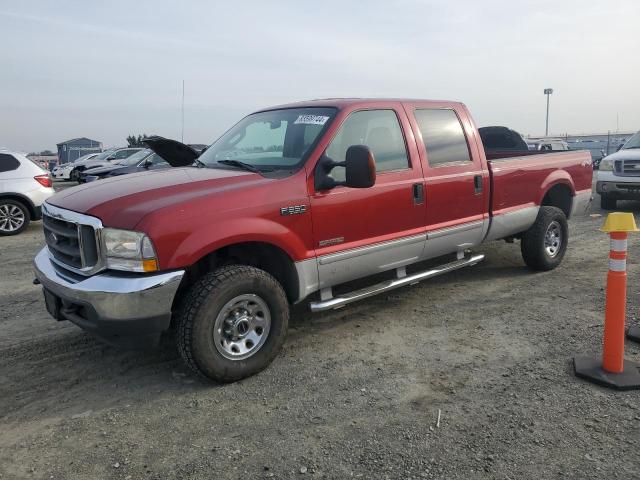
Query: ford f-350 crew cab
{"x": 295, "y": 202}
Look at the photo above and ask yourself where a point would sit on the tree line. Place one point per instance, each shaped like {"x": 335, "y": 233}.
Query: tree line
{"x": 133, "y": 141}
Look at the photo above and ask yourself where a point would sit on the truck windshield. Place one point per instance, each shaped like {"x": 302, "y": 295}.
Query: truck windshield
{"x": 633, "y": 142}
{"x": 271, "y": 140}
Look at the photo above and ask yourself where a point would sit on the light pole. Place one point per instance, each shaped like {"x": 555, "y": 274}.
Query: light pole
{"x": 547, "y": 92}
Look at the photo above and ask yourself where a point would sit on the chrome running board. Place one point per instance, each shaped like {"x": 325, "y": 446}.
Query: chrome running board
{"x": 341, "y": 301}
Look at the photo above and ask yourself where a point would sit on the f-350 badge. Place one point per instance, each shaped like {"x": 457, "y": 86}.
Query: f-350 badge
{"x": 293, "y": 210}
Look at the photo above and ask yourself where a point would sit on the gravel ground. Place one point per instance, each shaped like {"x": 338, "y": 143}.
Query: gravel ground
{"x": 356, "y": 393}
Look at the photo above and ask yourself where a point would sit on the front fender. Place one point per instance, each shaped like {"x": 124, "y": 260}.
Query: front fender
{"x": 213, "y": 236}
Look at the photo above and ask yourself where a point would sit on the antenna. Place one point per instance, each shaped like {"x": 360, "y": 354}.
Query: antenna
{"x": 182, "y": 136}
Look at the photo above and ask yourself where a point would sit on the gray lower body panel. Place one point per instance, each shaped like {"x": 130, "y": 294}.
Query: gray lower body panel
{"x": 511, "y": 223}
{"x": 581, "y": 202}
{"x": 348, "y": 265}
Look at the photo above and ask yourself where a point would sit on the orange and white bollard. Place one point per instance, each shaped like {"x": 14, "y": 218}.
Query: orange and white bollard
{"x": 633, "y": 333}
{"x": 613, "y": 371}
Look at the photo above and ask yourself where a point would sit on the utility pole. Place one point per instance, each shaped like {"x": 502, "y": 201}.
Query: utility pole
{"x": 547, "y": 92}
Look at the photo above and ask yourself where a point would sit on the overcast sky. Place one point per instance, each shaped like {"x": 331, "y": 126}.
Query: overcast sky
{"x": 108, "y": 69}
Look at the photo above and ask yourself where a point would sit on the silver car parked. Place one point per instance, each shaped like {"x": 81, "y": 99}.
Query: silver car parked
{"x": 24, "y": 186}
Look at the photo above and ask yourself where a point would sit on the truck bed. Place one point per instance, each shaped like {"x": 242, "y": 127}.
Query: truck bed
{"x": 518, "y": 186}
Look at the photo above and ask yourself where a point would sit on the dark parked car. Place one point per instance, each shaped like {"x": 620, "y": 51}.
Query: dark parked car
{"x": 103, "y": 159}
{"x": 138, "y": 162}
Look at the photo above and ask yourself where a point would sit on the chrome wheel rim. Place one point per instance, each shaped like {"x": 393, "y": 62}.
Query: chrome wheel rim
{"x": 553, "y": 239}
{"x": 11, "y": 217}
{"x": 242, "y": 327}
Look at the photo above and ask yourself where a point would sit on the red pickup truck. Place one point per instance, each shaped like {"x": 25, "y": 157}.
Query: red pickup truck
{"x": 295, "y": 202}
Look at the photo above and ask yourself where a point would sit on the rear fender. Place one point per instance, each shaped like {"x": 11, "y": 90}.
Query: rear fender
{"x": 557, "y": 177}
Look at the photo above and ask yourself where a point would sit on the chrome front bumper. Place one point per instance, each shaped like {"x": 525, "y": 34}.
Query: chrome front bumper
{"x": 109, "y": 304}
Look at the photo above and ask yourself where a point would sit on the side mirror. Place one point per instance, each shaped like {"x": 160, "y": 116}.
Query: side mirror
{"x": 619, "y": 147}
{"x": 360, "y": 169}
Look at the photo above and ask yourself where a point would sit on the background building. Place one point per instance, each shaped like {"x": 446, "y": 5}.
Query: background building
{"x": 72, "y": 149}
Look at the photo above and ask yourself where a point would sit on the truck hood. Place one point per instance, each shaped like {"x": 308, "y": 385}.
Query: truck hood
{"x": 628, "y": 154}
{"x": 175, "y": 153}
{"x": 121, "y": 202}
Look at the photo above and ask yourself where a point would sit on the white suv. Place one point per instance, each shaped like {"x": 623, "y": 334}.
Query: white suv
{"x": 24, "y": 186}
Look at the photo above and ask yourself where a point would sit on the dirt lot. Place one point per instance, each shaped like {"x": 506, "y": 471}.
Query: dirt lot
{"x": 355, "y": 393}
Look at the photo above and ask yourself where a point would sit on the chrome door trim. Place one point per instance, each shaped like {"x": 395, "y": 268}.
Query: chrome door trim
{"x": 454, "y": 229}
{"x": 368, "y": 249}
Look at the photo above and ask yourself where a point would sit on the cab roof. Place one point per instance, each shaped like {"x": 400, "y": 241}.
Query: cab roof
{"x": 341, "y": 103}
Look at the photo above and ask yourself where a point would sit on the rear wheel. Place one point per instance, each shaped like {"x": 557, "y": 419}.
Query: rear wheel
{"x": 608, "y": 203}
{"x": 543, "y": 246}
{"x": 14, "y": 217}
{"x": 233, "y": 323}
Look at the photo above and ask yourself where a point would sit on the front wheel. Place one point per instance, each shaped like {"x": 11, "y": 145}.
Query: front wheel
{"x": 232, "y": 323}
{"x": 543, "y": 246}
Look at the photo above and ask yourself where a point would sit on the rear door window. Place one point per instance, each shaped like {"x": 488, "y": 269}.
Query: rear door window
{"x": 443, "y": 137}
{"x": 8, "y": 162}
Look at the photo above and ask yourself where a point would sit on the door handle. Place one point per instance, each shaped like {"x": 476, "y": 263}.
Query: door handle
{"x": 477, "y": 184}
{"x": 418, "y": 193}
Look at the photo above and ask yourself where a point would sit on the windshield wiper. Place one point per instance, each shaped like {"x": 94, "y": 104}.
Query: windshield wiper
{"x": 242, "y": 165}
{"x": 629, "y": 148}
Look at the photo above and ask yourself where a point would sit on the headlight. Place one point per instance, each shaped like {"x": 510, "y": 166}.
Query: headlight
{"x": 129, "y": 251}
{"x": 606, "y": 164}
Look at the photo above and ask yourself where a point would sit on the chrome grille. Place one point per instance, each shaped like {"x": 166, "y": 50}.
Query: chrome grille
{"x": 63, "y": 240}
{"x": 627, "y": 168}
{"x": 73, "y": 239}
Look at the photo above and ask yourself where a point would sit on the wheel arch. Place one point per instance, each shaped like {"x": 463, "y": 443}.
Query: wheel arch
{"x": 558, "y": 191}
{"x": 22, "y": 199}
{"x": 260, "y": 254}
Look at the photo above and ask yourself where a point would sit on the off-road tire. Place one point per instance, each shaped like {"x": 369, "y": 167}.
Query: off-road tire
{"x": 10, "y": 203}
{"x": 608, "y": 203}
{"x": 532, "y": 245}
{"x": 198, "y": 312}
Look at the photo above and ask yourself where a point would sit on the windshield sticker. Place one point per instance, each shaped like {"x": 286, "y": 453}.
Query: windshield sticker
{"x": 311, "y": 119}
